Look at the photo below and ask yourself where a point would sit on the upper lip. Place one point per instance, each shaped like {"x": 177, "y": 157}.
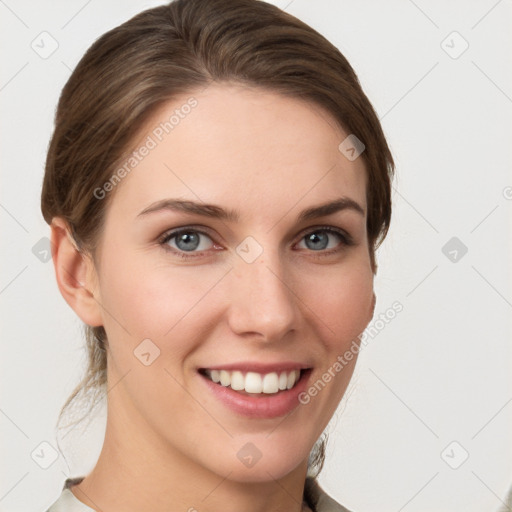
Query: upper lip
{"x": 252, "y": 366}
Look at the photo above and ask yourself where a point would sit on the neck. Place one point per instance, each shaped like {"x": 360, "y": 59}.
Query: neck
{"x": 137, "y": 471}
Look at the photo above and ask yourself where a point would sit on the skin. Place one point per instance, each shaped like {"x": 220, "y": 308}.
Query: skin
{"x": 170, "y": 444}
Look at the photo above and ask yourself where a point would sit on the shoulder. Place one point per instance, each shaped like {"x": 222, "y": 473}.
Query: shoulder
{"x": 319, "y": 500}
{"x": 314, "y": 495}
{"x": 67, "y": 501}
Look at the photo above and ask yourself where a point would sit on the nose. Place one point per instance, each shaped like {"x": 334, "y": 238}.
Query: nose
{"x": 262, "y": 302}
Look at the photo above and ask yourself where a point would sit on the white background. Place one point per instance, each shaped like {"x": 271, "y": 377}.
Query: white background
{"x": 439, "y": 372}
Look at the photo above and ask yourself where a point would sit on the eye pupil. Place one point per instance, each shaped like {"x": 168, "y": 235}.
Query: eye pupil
{"x": 317, "y": 240}
{"x": 187, "y": 241}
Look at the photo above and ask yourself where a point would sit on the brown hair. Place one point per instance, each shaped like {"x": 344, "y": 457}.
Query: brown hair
{"x": 174, "y": 49}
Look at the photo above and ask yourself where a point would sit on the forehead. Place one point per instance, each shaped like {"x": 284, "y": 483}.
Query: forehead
{"x": 248, "y": 147}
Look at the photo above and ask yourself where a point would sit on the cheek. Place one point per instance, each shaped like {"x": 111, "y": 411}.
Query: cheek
{"x": 151, "y": 300}
{"x": 342, "y": 301}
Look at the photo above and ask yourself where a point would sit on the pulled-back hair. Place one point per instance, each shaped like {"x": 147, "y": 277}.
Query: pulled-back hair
{"x": 170, "y": 50}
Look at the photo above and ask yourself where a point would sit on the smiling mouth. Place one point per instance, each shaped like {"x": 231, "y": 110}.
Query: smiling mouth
{"x": 253, "y": 383}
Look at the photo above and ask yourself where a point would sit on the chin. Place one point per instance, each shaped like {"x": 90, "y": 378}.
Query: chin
{"x": 260, "y": 461}
{"x": 262, "y": 472}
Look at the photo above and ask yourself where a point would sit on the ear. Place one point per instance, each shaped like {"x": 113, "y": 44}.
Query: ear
{"x": 75, "y": 274}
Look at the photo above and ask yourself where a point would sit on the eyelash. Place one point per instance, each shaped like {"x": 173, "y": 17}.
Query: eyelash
{"x": 345, "y": 239}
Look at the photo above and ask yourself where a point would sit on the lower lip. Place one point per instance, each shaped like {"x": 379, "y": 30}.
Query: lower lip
{"x": 264, "y": 406}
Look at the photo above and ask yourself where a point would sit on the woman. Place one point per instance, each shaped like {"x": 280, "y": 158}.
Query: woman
{"x": 216, "y": 185}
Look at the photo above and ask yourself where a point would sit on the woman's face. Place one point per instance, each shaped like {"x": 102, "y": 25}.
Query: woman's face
{"x": 260, "y": 283}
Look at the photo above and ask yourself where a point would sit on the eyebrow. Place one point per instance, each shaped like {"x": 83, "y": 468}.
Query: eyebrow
{"x": 213, "y": 211}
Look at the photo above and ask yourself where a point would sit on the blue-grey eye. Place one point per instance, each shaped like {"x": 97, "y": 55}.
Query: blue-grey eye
{"x": 189, "y": 241}
{"x": 322, "y": 239}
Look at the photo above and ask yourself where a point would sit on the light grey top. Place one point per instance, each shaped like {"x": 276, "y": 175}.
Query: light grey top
{"x": 314, "y": 495}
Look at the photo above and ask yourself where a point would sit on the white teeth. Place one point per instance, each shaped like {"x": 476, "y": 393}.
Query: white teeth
{"x": 252, "y": 382}
{"x": 225, "y": 378}
{"x": 271, "y": 383}
{"x": 291, "y": 380}
{"x": 283, "y": 380}
{"x": 237, "y": 381}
